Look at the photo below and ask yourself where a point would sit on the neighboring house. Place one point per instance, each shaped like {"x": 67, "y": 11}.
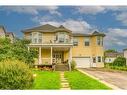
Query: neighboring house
{"x": 125, "y": 54}
{"x": 4, "y": 34}
{"x": 111, "y": 56}
{"x": 60, "y": 45}
{"x": 11, "y": 36}
{"x": 2, "y": 31}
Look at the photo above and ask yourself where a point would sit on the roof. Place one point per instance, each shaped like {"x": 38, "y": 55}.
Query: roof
{"x": 3, "y": 28}
{"x": 113, "y": 54}
{"x": 96, "y": 33}
{"x": 10, "y": 33}
{"x": 46, "y": 28}
{"x": 80, "y": 34}
{"x": 125, "y": 49}
{"x": 51, "y": 28}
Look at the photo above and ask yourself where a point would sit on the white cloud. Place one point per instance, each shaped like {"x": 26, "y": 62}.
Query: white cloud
{"x": 32, "y": 9}
{"x": 120, "y": 11}
{"x": 90, "y": 9}
{"x": 122, "y": 17}
{"x": 74, "y": 25}
{"x": 116, "y": 37}
{"x": 79, "y": 26}
{"x": 93, "y": 10}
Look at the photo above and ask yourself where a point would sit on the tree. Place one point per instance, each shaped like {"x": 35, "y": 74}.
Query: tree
{"x": 111, "y": 50}
{"x": 17, "y": 50}
{"x": 119, "y": 61}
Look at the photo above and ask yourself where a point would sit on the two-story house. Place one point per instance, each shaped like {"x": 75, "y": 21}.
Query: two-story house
{"x": 60, "y": 45}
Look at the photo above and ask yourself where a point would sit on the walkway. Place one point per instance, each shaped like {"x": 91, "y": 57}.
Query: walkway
{"x": 64, "y": 82}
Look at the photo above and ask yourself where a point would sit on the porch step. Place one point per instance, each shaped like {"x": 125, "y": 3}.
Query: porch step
{"x": 62, "y": 67}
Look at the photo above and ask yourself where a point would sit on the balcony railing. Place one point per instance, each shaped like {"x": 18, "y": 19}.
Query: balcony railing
{"x": 51, "y": 40}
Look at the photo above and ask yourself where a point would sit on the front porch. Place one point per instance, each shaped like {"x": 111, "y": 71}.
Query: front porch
{"x": 51, "y": 56}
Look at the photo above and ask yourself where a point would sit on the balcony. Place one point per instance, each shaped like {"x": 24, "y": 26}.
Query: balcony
{"x": 58, "y": 42}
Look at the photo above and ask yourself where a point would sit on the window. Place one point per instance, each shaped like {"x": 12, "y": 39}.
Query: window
{"x": 61, "y": 37}
{"x": 66, "y": 38}
{"x": 34, "y": 40}
{"x": 31, "y": 36}
{"x": 39, "y": 37}
{"x": 99, "y": 41}
{"x": 36, "y": 37}
{"x": 87, "y": 41}
{"x": 75, "y": 42}
{"x": 99, "y": 58}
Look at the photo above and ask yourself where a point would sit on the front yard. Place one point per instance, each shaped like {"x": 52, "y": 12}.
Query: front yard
{"x": 78, "y": 80}
{"x": 46, "y": 80}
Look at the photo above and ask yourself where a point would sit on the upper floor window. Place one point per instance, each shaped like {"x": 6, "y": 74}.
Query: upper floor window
{"x": 61, "y": 37}
{"x": 99, "y": 41}
{"x": 36, "y": 37}
{"x": 75, "y": 42}
{"x": 40, "y": 38}
{"x": 87, "y": 41}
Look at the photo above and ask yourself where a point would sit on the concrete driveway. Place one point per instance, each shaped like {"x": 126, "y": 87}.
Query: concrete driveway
{"x": 117, "y": 78}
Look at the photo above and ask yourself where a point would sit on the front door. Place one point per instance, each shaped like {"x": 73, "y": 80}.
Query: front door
{"x": 57, "y": 57}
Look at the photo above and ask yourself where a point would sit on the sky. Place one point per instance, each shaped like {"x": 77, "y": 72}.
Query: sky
{"x": 111, "y": 20}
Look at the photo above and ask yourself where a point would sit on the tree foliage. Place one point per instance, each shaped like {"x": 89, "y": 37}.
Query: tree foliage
{"x": 17, "y": 50}
{"x": 119, "y": 61}
{"x": 111, "y": 51}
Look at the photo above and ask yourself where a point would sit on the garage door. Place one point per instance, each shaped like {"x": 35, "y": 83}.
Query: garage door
{"x": 82, "y": 62}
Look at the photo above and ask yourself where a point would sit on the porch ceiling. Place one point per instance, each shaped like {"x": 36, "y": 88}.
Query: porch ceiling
{"x": 54, "y": 48}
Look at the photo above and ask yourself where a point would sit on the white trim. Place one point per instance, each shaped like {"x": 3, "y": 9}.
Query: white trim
{"x": 70, "y": 58}
{"x": 51, "y": 55}
{"x": 40, "y": 57}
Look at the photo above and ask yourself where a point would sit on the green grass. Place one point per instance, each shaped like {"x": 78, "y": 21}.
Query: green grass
{"x": 78, "y": 80}
{"x": 46, "y": 80}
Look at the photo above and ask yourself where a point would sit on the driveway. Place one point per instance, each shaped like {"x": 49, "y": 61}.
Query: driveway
{"x": 116, "y": 78}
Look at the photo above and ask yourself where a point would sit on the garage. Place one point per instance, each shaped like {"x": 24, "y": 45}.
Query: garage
{"x": 83, "y": 62}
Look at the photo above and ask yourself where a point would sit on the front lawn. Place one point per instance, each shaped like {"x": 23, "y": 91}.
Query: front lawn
{"x": 78, "y": 80}
{"x": 46, "y": 80}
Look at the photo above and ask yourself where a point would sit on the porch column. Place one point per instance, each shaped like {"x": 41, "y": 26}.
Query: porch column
{"x": 51, "y": 55}
{"x": 40, "y": 58}
{"x": 70, "y": 58}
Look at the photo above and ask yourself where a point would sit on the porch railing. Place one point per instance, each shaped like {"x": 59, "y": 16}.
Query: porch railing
{"x": 52, "y": 41}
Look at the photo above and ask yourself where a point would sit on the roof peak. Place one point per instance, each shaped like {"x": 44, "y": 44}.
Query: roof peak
{"x": 95, "y": 32}
{"x": 61, "y": 26}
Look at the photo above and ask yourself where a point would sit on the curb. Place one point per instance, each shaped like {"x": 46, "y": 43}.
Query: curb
{"x": 102, "y": 81}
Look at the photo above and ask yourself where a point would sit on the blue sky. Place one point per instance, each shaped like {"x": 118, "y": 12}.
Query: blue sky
{"x": 112, "y": 20}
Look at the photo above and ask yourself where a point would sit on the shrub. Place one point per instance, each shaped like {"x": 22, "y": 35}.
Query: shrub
{"x": 119, "y": 61}
{"x": 15, "y": 75}
{"x": 73, "y": 65}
